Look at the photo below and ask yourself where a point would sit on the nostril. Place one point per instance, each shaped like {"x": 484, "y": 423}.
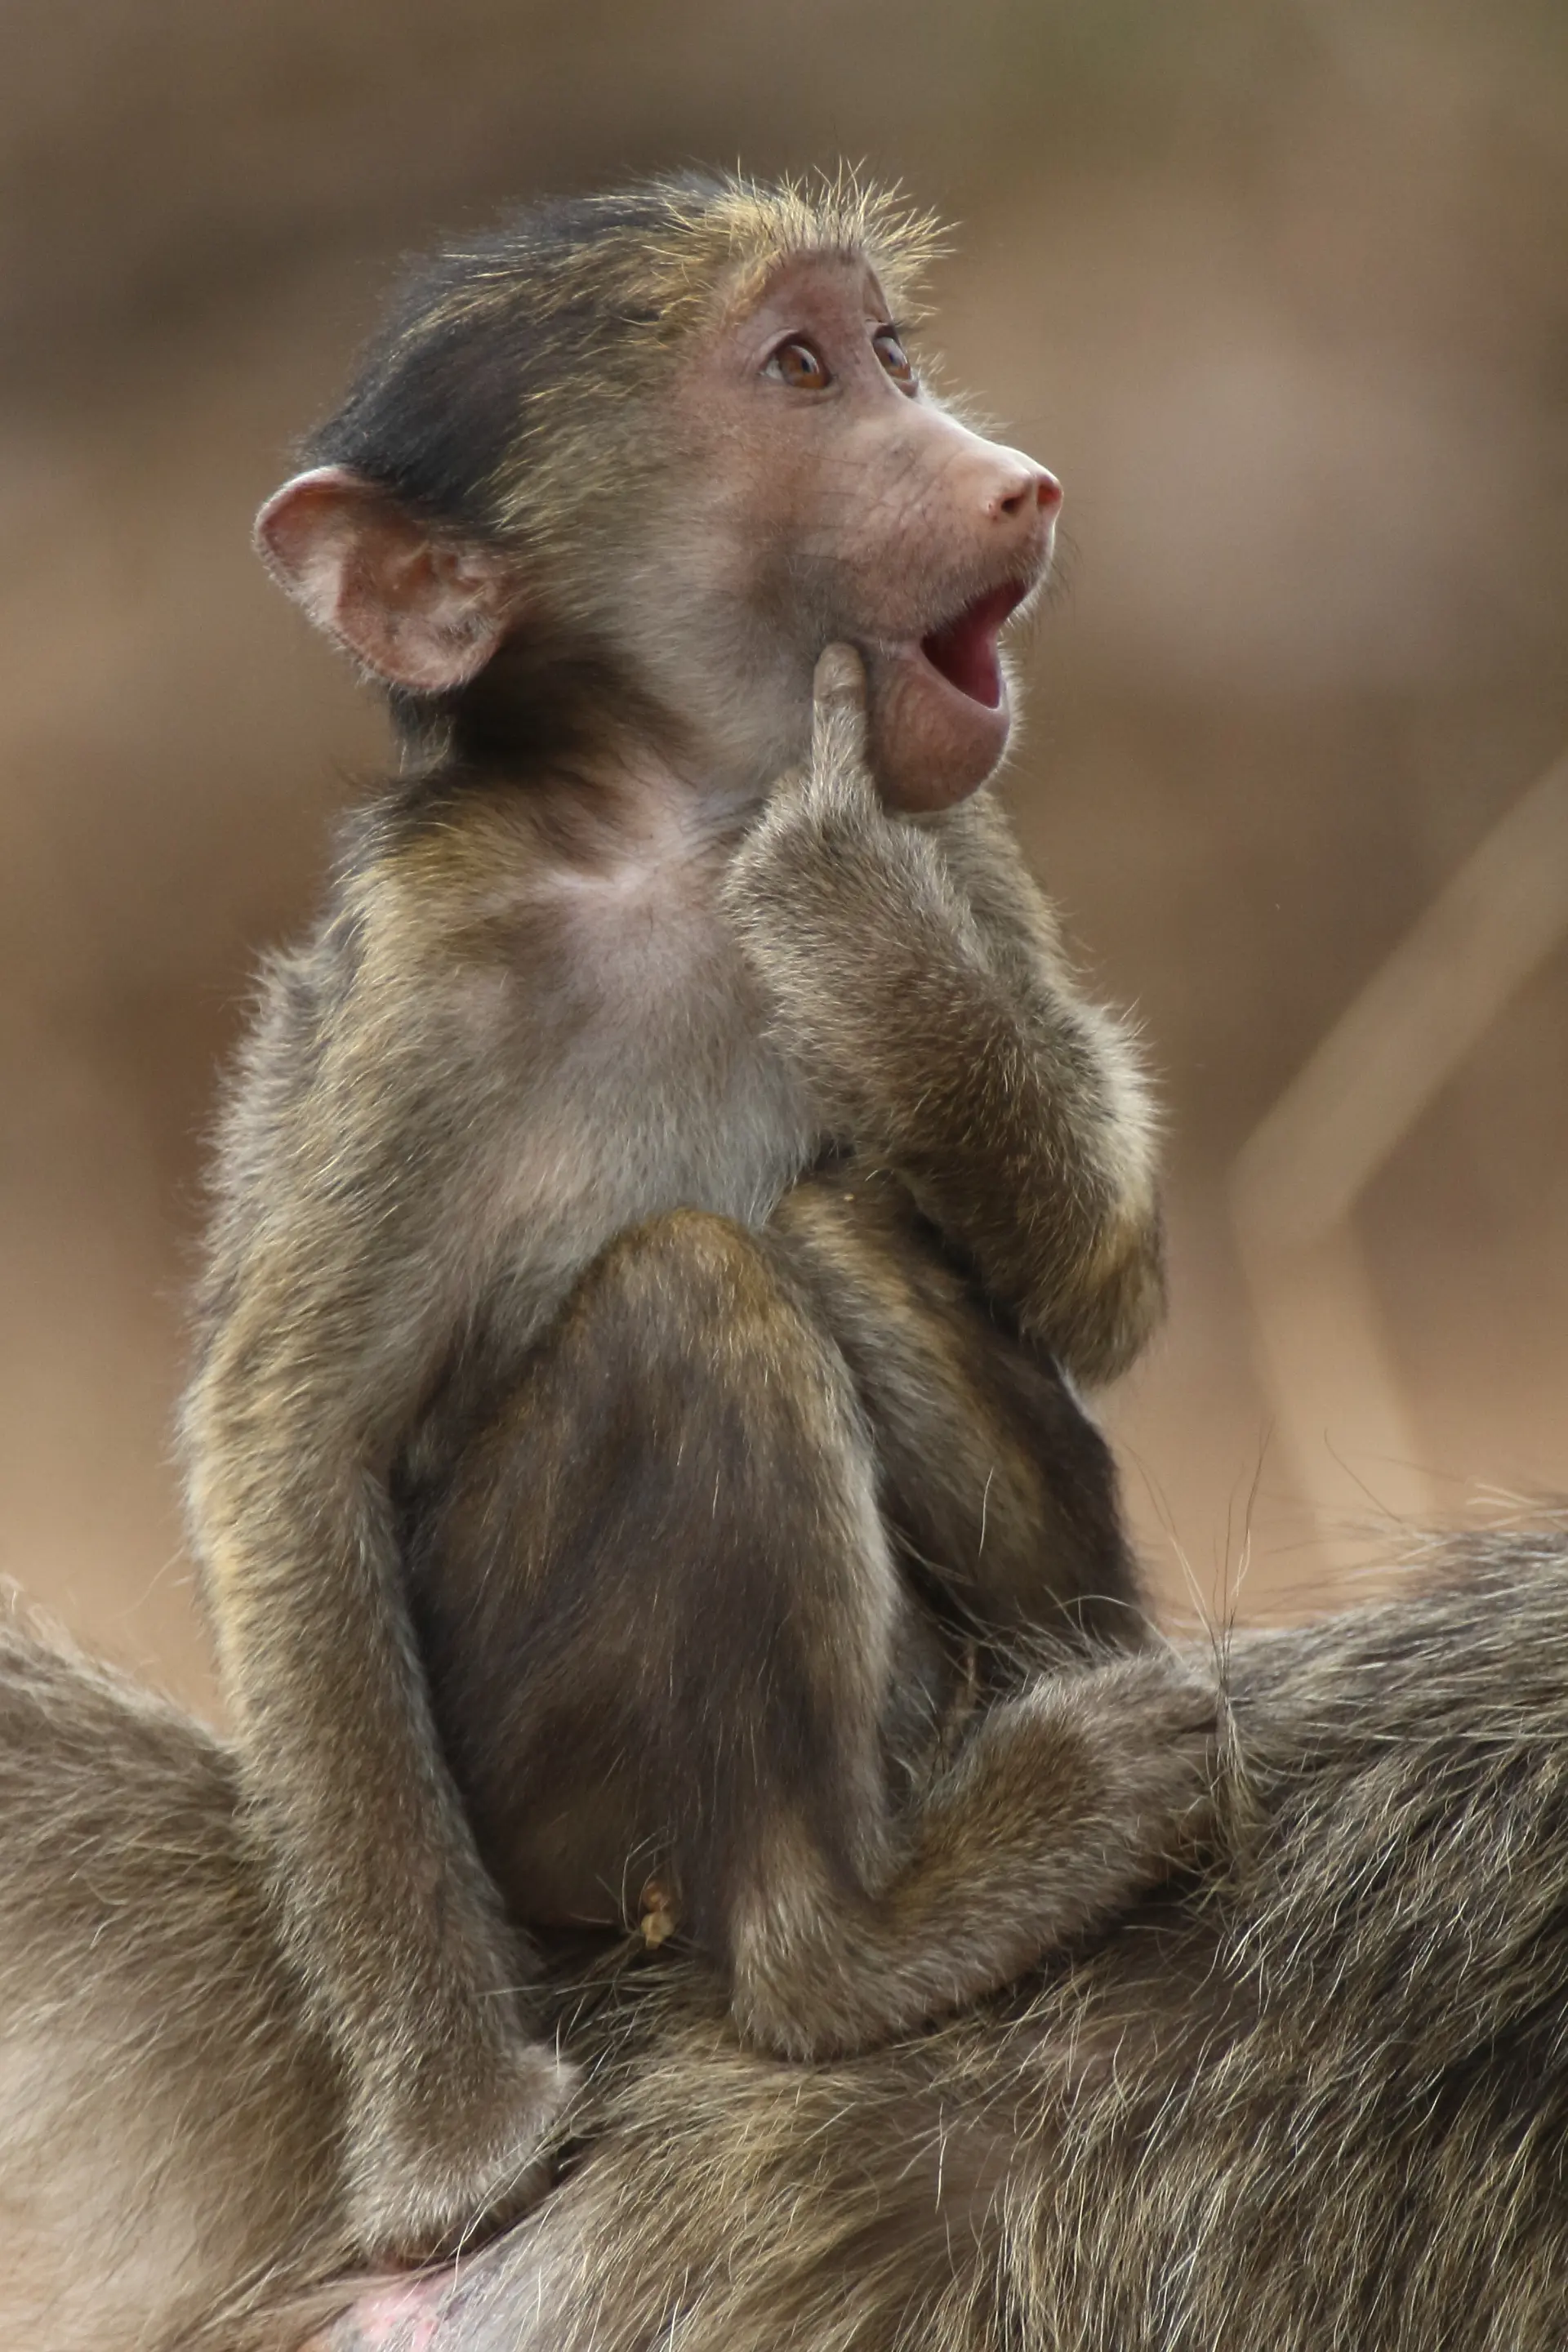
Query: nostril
{"x": 1041, "y": 492}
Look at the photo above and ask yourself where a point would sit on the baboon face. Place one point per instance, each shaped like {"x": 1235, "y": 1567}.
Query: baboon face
{"x": 822, "y": 494}
{"x": 781, "y": 481}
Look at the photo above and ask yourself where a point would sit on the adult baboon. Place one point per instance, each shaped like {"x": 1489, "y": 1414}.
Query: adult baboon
{"x": 1316, "y": 2100}
{"x": 1319, "y": 2103}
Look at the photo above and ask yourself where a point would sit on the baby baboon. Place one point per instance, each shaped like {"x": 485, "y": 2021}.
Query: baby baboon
{"x": 663, "y": 1207}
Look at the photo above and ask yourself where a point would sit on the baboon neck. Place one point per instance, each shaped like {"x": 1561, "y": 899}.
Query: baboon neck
{"x": 560, "y": 717}
{"x": 546, "y": 701}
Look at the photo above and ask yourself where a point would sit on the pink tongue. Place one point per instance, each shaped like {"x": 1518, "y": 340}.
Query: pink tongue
{"x": 965, "y": 651}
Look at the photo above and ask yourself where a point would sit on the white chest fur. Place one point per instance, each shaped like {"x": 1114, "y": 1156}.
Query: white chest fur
{"x": 652, "y": 1082}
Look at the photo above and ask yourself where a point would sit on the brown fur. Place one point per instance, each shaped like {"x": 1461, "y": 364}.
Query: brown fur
{"x": 581, "y": 1498}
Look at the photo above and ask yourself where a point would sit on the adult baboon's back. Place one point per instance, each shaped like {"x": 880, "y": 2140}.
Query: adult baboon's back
{"x": 1322, "y": 2101}
{"x": 1319, "y": 2101}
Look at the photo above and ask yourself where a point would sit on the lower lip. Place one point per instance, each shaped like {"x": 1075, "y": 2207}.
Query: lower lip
{"x": 988, "y": 717}
{"x": 965, "y": 653}
{"x": 955, "y": 741}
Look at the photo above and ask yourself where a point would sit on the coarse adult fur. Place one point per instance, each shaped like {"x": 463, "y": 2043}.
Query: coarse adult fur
{"x": 1317, "y": 2101}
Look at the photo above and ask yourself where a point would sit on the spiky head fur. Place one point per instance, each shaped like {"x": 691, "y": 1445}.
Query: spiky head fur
{"x": 510, "y": 358}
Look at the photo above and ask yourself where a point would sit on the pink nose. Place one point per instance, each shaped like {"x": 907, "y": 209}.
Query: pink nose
{"x": 1033, "y": 491}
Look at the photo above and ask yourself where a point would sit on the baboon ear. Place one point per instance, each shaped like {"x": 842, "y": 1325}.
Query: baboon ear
{"x": 420, "y": 610}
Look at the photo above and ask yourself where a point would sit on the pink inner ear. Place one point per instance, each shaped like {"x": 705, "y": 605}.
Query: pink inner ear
{"x": 422, "y": 611}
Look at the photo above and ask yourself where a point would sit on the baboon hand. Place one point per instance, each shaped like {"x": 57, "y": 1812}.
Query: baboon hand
{"x": 846, "y": 912}
{"x": 830, "y": 808}
{"x": 428, "y": 2175}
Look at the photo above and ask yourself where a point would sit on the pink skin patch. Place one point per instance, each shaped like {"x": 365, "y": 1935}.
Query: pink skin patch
{"x": 401, "y": 2318}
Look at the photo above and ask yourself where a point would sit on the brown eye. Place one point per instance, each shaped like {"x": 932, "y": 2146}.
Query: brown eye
{"x": 800, "y": 367}
{"x": 893, "y": 356}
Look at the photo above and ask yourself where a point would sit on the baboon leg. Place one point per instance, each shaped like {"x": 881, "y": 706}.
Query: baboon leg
{"x": 660, "y": 1577}
{"x": 996, "y": 1484}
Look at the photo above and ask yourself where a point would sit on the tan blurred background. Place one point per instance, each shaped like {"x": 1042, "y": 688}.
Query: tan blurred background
{"x": 1281, "y": 288}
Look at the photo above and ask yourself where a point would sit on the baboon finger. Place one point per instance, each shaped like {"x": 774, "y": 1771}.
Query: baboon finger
{"x": 838, "y": 709}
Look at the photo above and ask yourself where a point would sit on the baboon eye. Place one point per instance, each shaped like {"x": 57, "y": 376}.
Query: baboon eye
{"x": 894, "y": 358}
{"x": 796, "y": 364}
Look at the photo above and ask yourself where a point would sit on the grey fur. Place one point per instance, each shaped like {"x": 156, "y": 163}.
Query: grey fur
{"x": 1317, "y": 2104}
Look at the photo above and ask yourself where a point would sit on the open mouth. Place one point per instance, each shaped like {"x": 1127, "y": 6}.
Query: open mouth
{"x": 965, "y": 651}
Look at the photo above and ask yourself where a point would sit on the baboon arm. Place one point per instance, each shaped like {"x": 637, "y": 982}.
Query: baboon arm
{"x": 919, "y": 981}
{"x": 1113, "y": 1296}
{"x": 998, "y": 1486}
{"x": 315, "y": 1360}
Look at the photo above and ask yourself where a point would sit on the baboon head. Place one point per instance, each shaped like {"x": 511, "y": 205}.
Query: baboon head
{"x": 649, "y": 454}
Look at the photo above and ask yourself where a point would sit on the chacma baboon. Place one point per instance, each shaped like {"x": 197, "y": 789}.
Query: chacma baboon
{"x": 1317, "y": 2100}
{"x": 663, "y": 1207}
{"x": 1320, "y": 2106}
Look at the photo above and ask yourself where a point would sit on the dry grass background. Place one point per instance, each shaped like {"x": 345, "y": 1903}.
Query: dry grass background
{"x": 1281, "y": 288}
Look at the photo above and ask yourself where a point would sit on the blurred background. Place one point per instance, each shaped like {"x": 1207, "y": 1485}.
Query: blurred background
{"x": 1279, "y": 288}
